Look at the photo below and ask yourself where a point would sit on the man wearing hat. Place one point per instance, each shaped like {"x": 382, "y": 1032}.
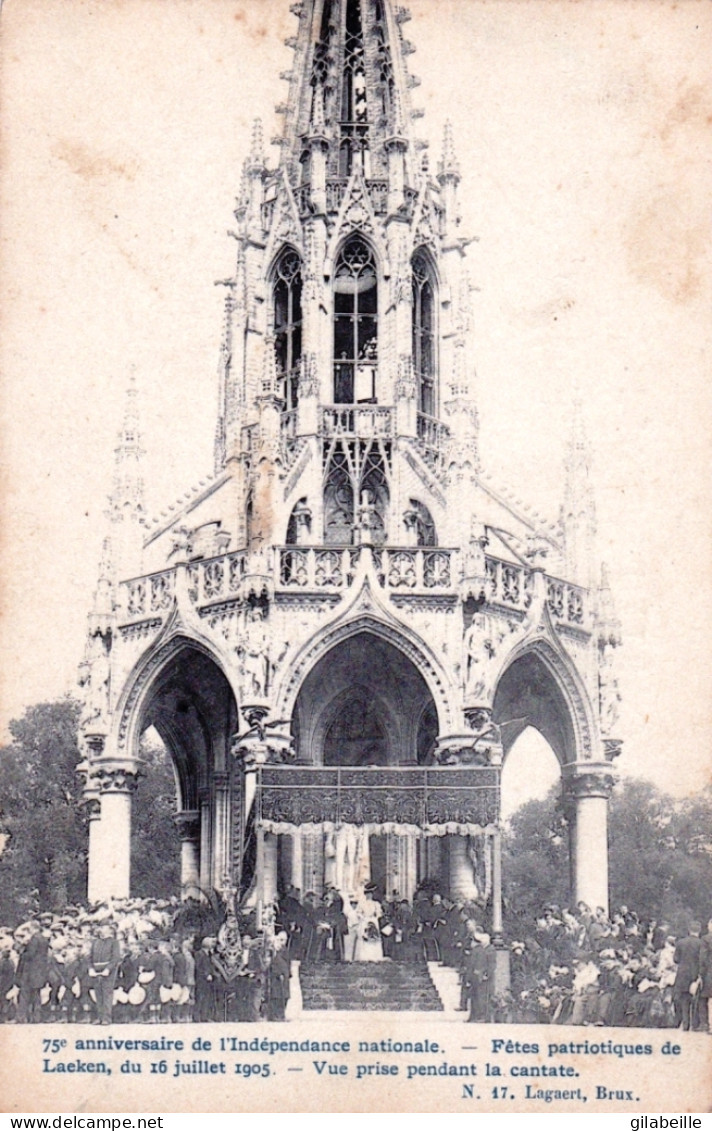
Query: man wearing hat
{"x": 32, "y": 972}
{"x": 479, "y": 976}
{"x": 687, "y": 956}
{"x": 104, "y": 962}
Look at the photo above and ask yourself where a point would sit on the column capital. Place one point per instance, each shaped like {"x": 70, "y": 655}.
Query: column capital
{"x": 593, "y": 779}
{"x": 114, "y": 777}
{"x": 188, "y": 824}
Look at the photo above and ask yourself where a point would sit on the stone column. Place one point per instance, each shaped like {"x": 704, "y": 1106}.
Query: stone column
{"x": 188, "y": 824}
{"x": 588, "y": 788}
{"x": 496, "y": 846}
{"x": 461, "y": 873}
{"x": 222, "y": 861}
{"x": 297, "y": 859}
{"x": 269, "y": 868}
{"x": 93, "y": 809}
{"x": 206, "y": 840}
{"x": 110, "y": 868}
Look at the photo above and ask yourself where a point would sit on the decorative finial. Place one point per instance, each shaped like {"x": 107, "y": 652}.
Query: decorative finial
{"x": 257, "y": 147}
{"x": 318, "y": 110}
{"x": 449, "y": 166}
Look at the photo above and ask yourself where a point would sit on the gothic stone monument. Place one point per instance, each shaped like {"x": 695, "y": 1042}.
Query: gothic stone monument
{"x": 342, "y": 632}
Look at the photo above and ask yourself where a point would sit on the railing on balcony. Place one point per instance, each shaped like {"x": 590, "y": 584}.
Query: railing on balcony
{"x": 405, "y": 570}
{"x": 508, "y": 584}
{"x": 145, "y": 597}
{"x": 216, "y": 579}
{"x": 406, "y": 795}
{"x": 315, "y": 568}
{"x": 422, "y": 569}
{"x": 567, "y": 603}
{"x": 433, "y": 433}
{"x": 399, "y": 570}
{"x": 512, "y": 586}
{"x": 364, "y": 421}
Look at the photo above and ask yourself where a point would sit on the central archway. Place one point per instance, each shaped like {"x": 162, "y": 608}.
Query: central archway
{"x": 364, "y": 703}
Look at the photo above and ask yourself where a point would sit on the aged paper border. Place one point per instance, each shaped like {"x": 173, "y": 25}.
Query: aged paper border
{"x": 654, "y": 455}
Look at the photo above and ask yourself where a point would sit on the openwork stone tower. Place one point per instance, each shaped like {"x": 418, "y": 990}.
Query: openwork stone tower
{"x": 342, "y": 632}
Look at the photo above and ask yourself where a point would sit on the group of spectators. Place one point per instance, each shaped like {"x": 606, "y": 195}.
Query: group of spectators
{"x": 151, "y": 961}
{"x": 144, "y": 961}
{"x": 584, "y": 967}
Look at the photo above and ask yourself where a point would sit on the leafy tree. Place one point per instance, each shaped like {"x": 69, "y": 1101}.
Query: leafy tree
{"x": 44, "y": 827}
{"x": 660, "y": 856}
{"x": 44, "y": 856}
{"x": 155, "y": 845}
{"x": 535, "y": 862}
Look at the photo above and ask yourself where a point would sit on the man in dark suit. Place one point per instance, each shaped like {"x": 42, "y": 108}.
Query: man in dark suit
{"x": 687, "y": 956}
{"x": 706, "y": 979}
{"x": 32, "y": 975}
{"x": 479, "y": 977}
{"x": 104, "y": 964}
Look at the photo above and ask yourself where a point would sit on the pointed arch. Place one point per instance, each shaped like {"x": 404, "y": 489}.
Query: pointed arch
{"x": 398, "y": 635}
{"x": 420, "y": 524}
{"x": 373, "y": 489}
{"x": 286, "y": 276}
{"x": 339, "y": 500}
{"x": 146, "y": 677}
{"x": 539, "y": 686}
{"x": 355, "y": 286}
{"x": 425, "y": 331}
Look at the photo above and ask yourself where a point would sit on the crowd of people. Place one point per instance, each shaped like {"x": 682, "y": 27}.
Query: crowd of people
{"x": 151, "y": 961}
{"x": 144, "y": 961}
{"x": 585, "y": 967}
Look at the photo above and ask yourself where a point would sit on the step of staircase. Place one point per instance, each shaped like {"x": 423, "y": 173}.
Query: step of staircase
{"x": 391, "y": 986}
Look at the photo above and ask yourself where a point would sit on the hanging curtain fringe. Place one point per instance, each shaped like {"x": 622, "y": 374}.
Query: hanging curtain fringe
{"x": 450, "y": 828}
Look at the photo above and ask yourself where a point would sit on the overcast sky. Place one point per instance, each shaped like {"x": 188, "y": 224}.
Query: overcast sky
{"x": 584, "y": 139}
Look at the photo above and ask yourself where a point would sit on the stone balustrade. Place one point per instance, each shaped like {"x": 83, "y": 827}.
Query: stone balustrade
{"x": 333, "y": 568}
{"x": 362, "y": 421}
{"x": 417, "y": 570}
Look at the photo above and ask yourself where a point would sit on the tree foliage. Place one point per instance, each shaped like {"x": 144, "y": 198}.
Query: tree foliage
{"x": 44, "y": 858}
{"x": 44, "y": 826}
{"x": 660, "y": 855}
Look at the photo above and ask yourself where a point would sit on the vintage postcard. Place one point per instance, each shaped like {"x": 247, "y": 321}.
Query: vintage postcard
{"x": 355, "y": 558}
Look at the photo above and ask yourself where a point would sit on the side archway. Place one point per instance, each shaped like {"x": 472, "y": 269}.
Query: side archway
{"x": 181, "y": 692}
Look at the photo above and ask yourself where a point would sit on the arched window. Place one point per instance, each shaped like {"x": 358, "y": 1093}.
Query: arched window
{"x": 338, "y": 502}
{"x": 424, "y": 349}
{"x": 355, "y": 324}
{"x": 288, "y": 324}
{"x": 354, "y": 101}
{"x": 420, "y": 525}
{"x": 373, "y": 490}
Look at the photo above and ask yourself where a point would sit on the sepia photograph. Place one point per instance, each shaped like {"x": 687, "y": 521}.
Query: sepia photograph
{"x": 355, "y": 573}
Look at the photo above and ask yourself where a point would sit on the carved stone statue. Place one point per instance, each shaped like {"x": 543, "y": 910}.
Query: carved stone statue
{"x": 253, "y": 652}
{"x": 94, "y": 676}
{"x": 608, "y": 692}
{"x": 479, "y": 648}
{"x": 367, "y": 520}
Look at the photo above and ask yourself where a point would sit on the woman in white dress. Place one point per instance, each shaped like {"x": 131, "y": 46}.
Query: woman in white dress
{"x": 353, "y": 922}
{"x": 369, "y": 946}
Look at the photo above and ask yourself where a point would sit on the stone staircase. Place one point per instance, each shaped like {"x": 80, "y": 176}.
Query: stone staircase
{"x": 387, "y": 986}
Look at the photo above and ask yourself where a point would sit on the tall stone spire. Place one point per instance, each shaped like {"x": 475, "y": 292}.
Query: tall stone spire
{"x": 578, "y": 513}
{"x": 349, "y": 84}
{"x": 126, "y": 503}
